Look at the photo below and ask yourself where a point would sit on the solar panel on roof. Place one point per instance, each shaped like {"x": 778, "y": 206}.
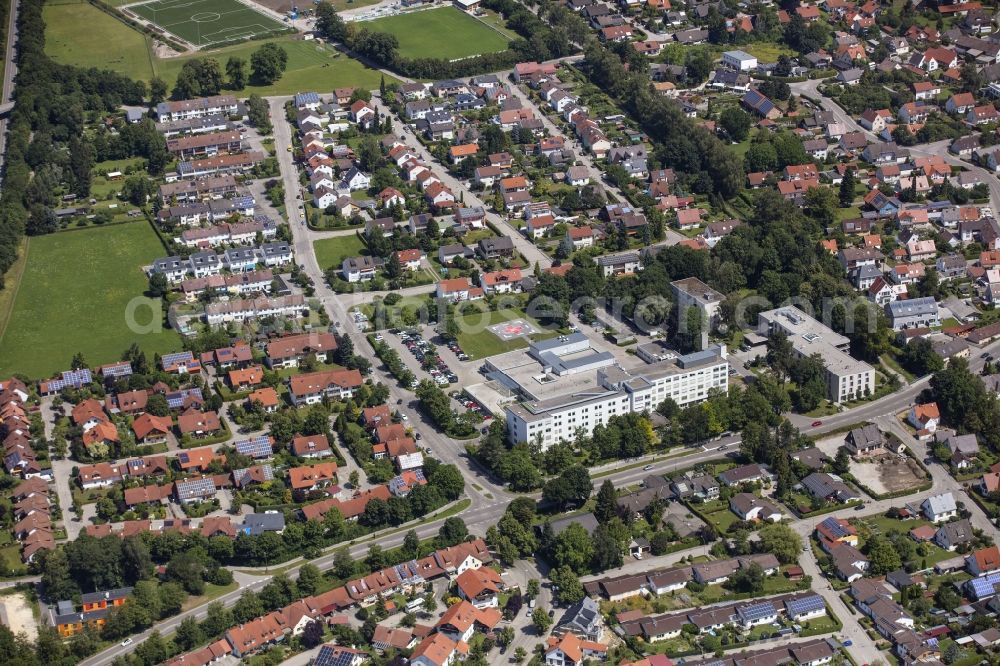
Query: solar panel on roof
{"x": 119, "y": 370}
{"x": 184, "y": 457}
{"x": 984, "y": 586}
{"x": 258, "y": 447}
{"x": 805, "y": 605}
{"x": 176, "y": 357}
{"x": 834, "y": 527}
{"x": 196, "y": 487}
{"x": 753, "y": 612}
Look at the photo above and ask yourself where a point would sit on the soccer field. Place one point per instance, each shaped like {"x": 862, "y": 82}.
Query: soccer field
{"x": 205, "y": 22}
{"x": 439, "y": 33}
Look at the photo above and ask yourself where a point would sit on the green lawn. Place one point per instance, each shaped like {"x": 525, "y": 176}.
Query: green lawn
{"x": 439, "y": 33}
{"x": 103, "y": 42}
{"x": 73, "y": 297}
{"x": 109, "y": 43}
{"x": 332, "y": 251}
{"x": 311, "y": 66}
{"x": 10, "y": 561}
{"x": 478, "y": 341}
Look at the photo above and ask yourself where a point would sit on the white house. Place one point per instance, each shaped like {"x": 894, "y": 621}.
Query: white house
{"x": 739, "y": 60}
{"x": 939, "y": 507}
{"x": 355, "y": 179}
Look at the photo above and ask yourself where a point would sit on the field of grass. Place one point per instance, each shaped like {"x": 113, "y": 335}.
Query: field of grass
{"x": 439, "y": 33}
{"x": 105, "y": 42}
{"x": 767, "y": 52}
{"x": 333, "y": 251}
{"x": 73, "y": 298}
{"x": 10, "y": 561}
{"x": 478, "y": 341}
{"x": 109, "y": 43}
{"x": 206, "y": 22}
{"x": 311, "y": 66}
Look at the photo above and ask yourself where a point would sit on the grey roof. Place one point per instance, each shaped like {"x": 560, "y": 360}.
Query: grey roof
{"x": 582, "y": 617}
{"x": 118, "y": 593}
{"x": 616, "y": 259}
{"x": 258, "y": 523}
{"x": 938, "y": 504}
{"x": 958, "y": 532}
{"x": 913, "y": 307}
{"x": 821, "y": 484}
{"x": 587, "y": 520}
{"x": 866, "y": 436}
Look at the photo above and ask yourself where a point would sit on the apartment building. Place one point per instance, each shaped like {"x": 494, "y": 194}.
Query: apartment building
{"x": 846, "y": 377}
{"x": 197, "y": 108}
{"x": 686, "y": 379}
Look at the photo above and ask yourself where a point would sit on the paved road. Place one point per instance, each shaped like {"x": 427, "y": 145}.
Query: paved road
{"x": 885, "y": 406}
{"x": 527, "y": 249}
{"x": 810, "y": 88}
{"x": 489, "y": 500}
{"x": 9, "y": 72}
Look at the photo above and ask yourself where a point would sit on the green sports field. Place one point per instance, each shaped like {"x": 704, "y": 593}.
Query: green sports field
{"x": 73, "y": 298}
{"x": 206, "y": 22}
{"x": 439, "y": 33}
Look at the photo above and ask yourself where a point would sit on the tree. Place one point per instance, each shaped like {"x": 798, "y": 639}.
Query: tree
{"x": 258, "y": 113}
{"x": 453, "y": 531}
{"x": 607, "y": 502}
{"x": 268, "y": 63}
{"x": 574, "y": 548}
{"x": 883, "y": 556}
{"x": 570, "y": 589}
{"x": 189, "y": 634}
{"x": 821, "y": 205}
{"x": 947, "y": 598}
{"x": 448, "y": 480}
{"x": 736, "y": 122}
{"x": 572, "y": 487}
{"x": 237, "y": 73}
{"x": 842, "y": 462}
{"x": 157, "y": 90}
{"x": 846, "y": 194}
{"x": 430, "y": 603}
{"x": 309, "y": 578}
{"x": 919, "y": 357}
{"x": 781, "y": 541}
{"x": 541, "y": 621}
{"x": 607, "y": 549}
{"x": 329, "y": 24}
{"x": 312, "y": 635}
{"x": 411, "y": 544}
{"x": 343, "y": 564}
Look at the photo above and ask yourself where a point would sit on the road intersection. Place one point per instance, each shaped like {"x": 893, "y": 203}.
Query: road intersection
{"x": 488, "y": 499}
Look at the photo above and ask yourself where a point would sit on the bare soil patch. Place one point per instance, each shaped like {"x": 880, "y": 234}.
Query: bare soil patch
{"x": 16, "y": 613}
{"x": 889, "y": 473}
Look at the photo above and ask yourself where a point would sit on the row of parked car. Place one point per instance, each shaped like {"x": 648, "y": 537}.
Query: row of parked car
{"x": 421, "y": 349}
{"x": 466, "y": 401}
{"x": 457, "y": 350}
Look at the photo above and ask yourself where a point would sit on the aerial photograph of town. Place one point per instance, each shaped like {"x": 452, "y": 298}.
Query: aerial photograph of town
{"x": 500, "y": 332}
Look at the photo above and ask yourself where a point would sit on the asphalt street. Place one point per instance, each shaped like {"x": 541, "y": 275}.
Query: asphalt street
{"x": 488, "y": 499}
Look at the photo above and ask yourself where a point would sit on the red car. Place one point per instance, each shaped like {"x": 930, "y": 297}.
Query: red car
{"x": 816, "y": 424}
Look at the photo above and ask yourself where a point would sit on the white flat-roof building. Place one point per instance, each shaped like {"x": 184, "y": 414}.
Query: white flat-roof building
{"x": 846, "y": 377}
{"x": 686, "y": 379}
{"x": 739, "y": 60}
